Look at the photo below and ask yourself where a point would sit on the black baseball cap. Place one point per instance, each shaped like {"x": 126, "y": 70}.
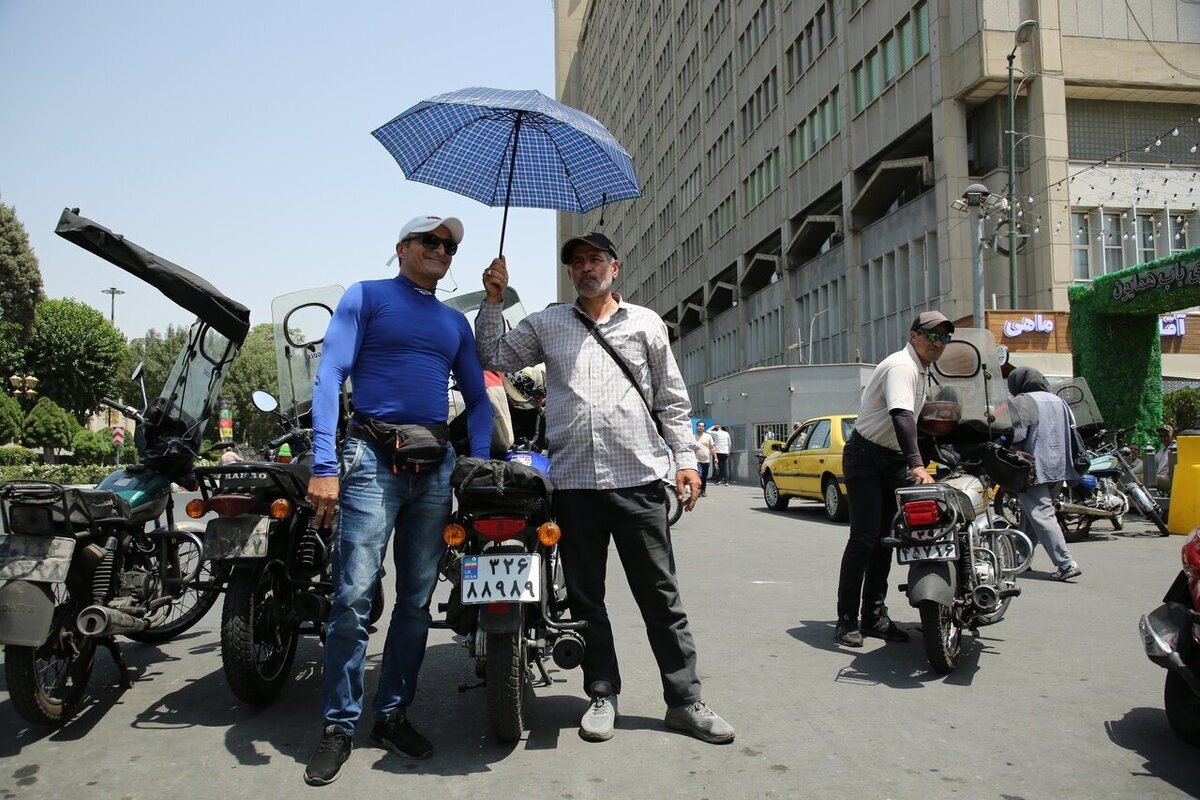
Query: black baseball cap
{"x": 595, "y": 239}
{"x": 928, "y": 320}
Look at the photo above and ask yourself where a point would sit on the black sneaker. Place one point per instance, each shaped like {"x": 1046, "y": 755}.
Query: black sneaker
{"x": 883, "y": 628}
{"x": 847, "y": 633}
{"x": 397, "y": 734}
{"x": 326, "y": 764}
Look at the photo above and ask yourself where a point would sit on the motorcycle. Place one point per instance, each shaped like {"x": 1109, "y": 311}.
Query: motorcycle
{"x": 265, "y": 534}
{"x": 962, "y": 560}
{"x": 508, "y": 596}
{"x": 82, "y": 566}
{"x": 1171, "y": 638}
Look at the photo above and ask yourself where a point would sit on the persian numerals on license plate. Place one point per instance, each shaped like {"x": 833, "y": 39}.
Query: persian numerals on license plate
{"x": 939, "y": 551}
{"x": 508, "y": 578}
{"x": 243, "y": 536}
{"x": 35, "y": 558}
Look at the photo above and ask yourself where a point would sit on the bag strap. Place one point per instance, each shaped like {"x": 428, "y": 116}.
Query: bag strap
{"x": 594, "y": 330}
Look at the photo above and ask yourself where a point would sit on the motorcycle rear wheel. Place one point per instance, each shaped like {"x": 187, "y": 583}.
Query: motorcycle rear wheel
{"x": 258, "y": 632}
{"x": 1075, "y": 527}
{"x": 1183, "y": 708}
{"x": 674, "y": 507}
{"x": 1007, "y": 556}
{"x": 507, "y": 685}
{"x": 47, "y": 683}
{"x": 942, "y": 634}
{"x": 191, "y": 606}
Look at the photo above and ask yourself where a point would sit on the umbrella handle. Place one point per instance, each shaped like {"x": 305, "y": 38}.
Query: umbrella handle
{"x": 512, "y": 168}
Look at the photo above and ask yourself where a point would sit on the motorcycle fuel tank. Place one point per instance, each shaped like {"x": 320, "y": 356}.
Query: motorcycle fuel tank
{"x": 145, "y": 491}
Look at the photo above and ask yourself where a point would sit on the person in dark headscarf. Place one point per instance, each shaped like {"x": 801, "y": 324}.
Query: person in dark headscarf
{"x": 1042, "y": 425}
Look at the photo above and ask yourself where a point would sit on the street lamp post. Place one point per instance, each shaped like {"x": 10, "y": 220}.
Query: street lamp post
{"x": 24, "y": 386}
{"x": 976, "y": 199}
{"x": 1023, "y": 34}
{"x": 113, "y": 291}
{"x": 812, "y": 322}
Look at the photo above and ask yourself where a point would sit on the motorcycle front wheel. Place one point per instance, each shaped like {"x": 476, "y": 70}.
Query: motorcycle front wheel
{"x": 1148, "y": 508}
{"x": 1183, "y": 708}
{"x": 190, "y": 607}
{"x": 942, "y": 634}
{"x": 47, "y": 683}
{"x": 507, "y": 682}
{"x": 1007, "y": 507}
{"x": 258, "y": 632}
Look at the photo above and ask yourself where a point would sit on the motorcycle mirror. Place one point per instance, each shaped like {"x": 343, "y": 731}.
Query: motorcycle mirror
{"x": 139, "y": 376}
{"x": 138, "y": 371}
{"x": 264, "y": 401}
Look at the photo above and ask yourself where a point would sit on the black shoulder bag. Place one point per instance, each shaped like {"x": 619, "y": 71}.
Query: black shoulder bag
{"x": 594, "y": 330}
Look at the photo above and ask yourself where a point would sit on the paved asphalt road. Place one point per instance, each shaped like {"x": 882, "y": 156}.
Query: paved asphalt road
{"x": 1056, "y": 701}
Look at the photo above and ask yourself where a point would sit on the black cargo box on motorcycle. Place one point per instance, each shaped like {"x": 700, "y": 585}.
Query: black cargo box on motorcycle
{"x": 493, "y": 485}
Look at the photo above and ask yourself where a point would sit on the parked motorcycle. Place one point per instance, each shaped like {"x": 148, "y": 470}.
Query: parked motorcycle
{"x": 83, "y": 566}
{"x": 508, "y": 596}
{"x": 963, "y": 562}
{"x": 1171, "y": 637}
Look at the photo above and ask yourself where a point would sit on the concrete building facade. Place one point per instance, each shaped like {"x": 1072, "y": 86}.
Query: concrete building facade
{"x": 800, "y": 160}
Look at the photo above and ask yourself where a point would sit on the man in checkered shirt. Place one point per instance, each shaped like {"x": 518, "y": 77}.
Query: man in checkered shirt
{"x": 606, "y": 459}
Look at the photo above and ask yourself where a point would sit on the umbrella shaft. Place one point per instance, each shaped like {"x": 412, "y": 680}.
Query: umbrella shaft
{"x": 512, "y": 168}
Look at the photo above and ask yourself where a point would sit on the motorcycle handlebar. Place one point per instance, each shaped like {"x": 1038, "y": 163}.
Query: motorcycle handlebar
{"x": 287, "y": 438}
{"x": 128, "y": 411}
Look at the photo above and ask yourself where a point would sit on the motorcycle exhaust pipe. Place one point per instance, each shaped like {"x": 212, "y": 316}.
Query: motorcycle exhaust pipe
{"x": 1075, "y": 508}
{"x": 986, "y": 598}
{"x": 104, "y": 621}
{"x": 567, "y": 651}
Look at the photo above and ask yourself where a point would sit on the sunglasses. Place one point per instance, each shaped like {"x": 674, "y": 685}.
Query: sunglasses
{"x": 431, "y": 241}
{"x": 934, "y": 336}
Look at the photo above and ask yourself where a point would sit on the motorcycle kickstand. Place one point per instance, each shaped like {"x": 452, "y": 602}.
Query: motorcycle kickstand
{"x": 114, "y": 649}
{"x": 465, "y": 687}
{"x": 546, "y": 679}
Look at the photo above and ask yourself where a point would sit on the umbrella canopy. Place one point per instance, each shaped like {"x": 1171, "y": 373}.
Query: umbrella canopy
{"x": 510, "y": 148}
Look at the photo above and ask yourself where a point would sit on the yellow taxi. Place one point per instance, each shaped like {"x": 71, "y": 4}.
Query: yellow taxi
{"x": 809, "y": 465}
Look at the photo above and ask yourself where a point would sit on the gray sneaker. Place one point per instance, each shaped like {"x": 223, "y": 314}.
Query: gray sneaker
{"x": 700, "y": 721}
{"x": 1066, "y": 572}
{"x": 601, "y": 715}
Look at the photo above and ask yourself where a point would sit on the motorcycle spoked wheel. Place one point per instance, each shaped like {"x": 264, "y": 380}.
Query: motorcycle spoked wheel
{"x": 1183, "y": 708}
{"x": 1075, "y": 527}
{"x": 1007, "y": 507}
{"x": 942, "y": 634}
{"x": 47, "y": 683}
{"x": 674, "y": 507}
{"x": 191, "y": 606}
{"x": 507, "y": 685}
{"x": 1148, "y": 508}
{"x": 1006, "y": 554}
{"x": 258, "y": 632}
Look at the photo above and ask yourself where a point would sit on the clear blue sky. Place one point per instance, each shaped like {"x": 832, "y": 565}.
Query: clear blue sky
{"x": 233, "y": 138}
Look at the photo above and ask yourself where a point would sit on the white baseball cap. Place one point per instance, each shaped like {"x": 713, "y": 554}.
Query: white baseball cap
{"x": 426, "y": 223}
{"x": 429, "y": 223}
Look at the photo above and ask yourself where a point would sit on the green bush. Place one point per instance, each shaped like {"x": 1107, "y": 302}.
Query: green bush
{"x": 88, "y": 475}
{"x": 16, "y": 456}
{"x": 92, "y": 447}
{"x": 1181, "y": 407}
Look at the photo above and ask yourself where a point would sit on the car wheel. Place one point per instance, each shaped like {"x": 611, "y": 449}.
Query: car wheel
{"x": 775, "y": 501}
{"x": 836, "y": 507}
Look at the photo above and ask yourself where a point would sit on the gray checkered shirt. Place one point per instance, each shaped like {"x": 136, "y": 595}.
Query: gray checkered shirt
{"x": 600, "y": 433}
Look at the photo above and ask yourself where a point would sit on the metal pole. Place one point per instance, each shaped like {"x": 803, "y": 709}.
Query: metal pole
{"x": 112, "y": 293}
{"x": 977, "y": 262}
{"x": 1012, "y": 186}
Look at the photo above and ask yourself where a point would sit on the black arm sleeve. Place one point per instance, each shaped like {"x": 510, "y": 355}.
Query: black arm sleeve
{"x": 906, "y": 434}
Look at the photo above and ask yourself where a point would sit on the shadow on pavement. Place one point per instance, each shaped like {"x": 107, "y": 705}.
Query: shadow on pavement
{"x": 900, "y": 665}
{"x": 1145, "y": 731}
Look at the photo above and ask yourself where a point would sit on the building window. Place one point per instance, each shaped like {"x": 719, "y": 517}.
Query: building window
{"x": 1114, "y": 251}
{"x": 860, "y": 93}
{"x": 889, "y": 60}
{"x": 1144, "y": 236}
{"x": 906, "y": 43}
{"x": 921, "y": 12}
{"x": 1177, "y": 233}
{"x": 1081, "y": 243}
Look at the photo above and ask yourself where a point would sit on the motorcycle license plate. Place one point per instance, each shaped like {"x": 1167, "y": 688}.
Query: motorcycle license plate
{"x": 509, "y": 578}
{"x": 35, "y": 558}
{"x": 939, "y": 551}
{"x": 243, "y": 536}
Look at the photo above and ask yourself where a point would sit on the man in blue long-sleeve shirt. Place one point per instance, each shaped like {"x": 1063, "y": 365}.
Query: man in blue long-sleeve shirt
{"x": 398, "y": 344}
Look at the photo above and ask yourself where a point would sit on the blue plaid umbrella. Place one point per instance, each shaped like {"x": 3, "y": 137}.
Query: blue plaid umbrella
{"x": 511, "y": 148}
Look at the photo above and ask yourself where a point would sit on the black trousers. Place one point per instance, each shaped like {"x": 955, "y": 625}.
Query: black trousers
{"x": 873, "y": 474}
{"x": 636, "y": 521}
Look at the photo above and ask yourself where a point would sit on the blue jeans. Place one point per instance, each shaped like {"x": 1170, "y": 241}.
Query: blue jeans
{"x": 374, "y": 501}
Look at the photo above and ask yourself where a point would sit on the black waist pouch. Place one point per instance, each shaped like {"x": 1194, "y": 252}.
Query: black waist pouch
{"x": 413, "y": 448}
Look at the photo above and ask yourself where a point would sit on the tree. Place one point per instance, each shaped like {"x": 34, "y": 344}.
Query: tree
{"x": 92, "y": 447}
{"x": 11, "y": 419}
{"x": 20, "y": 279}
{"x": 1181, "y": 408}
{"x": 12, "y": 349}
{"x": 75, "y": 352}
{"x": 253, "y": 368}
{"x": 48, "y": 426}
{"x": 158, "y": 352}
